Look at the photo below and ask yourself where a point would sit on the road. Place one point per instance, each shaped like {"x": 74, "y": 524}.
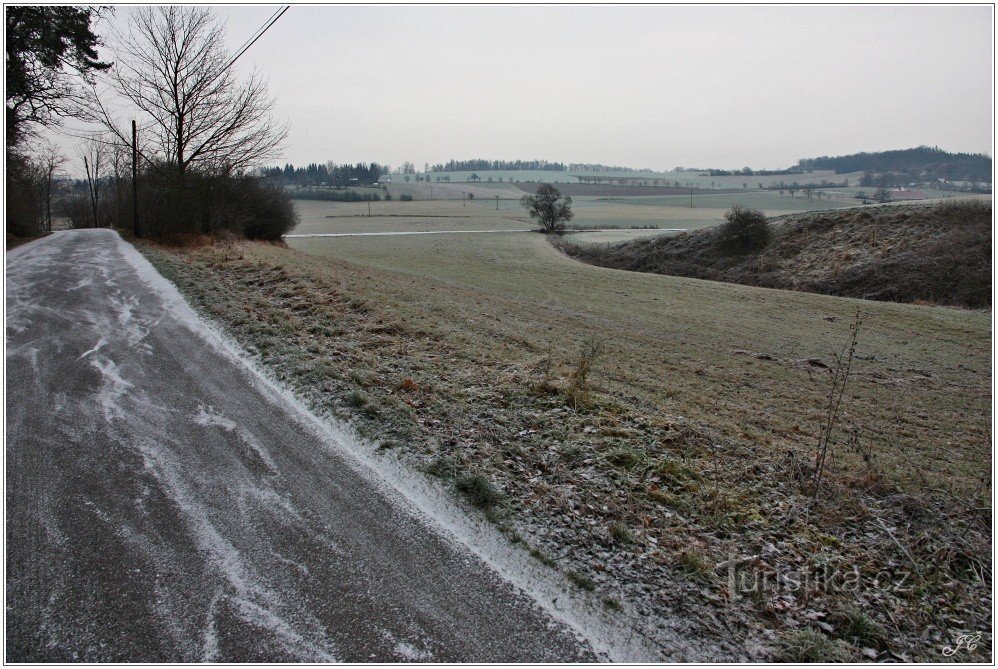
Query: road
{"x": 163, "y": 504}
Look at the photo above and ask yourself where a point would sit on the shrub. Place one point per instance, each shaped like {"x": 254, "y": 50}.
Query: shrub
{"x": 171, "y": 207}
{"x": 745, "y": 230}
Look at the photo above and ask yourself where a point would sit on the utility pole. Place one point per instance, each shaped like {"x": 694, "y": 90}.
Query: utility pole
{"x": 369, "y": 207}
{"x": 497, "y": 203}
{"x": 135, "y": 181}
{"x": 691, "y": 198}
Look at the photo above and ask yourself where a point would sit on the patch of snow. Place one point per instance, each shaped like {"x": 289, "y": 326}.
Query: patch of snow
{"x": 208, "y": 417}
{"x": 113, "y": 389}
{"x": 97, "y": 347}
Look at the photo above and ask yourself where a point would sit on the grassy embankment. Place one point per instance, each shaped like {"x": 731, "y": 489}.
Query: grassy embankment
{"x": 693, "y": 440}
{"x": 938, "y": 252}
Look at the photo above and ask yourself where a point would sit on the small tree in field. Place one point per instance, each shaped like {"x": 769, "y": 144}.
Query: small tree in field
{"x": 745, "y": 230}
{"x": 549, "y": 208}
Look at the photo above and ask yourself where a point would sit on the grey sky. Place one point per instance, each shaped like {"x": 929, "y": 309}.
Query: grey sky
{"x": 639, "y": 86}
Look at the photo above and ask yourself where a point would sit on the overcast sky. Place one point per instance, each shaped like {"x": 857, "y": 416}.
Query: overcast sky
{"x": 638, "y": 86}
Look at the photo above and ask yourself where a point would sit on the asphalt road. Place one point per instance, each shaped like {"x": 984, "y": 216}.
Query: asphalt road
{"x": 162, "y": 505}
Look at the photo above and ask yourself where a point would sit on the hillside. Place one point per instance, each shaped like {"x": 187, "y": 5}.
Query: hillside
{"x": 920, "y": 164}
{"x": 938, "y": 253}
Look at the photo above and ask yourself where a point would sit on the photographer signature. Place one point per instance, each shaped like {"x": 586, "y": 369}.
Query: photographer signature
{"x": 967, "y": 641}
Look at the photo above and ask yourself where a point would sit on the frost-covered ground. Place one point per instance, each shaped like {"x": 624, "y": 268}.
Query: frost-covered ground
{"x": 167, "y": 501}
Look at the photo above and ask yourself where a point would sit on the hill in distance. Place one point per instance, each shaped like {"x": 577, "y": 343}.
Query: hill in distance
{"x": 923, "y": 163}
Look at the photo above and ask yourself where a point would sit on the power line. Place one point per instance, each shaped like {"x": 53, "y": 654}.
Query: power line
{"x": 270, "y": 22}
{"x": 255, "y": 34}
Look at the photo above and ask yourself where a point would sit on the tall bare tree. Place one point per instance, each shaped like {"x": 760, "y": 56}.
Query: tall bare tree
{"x": 94, "y": 162}
{"x": 49, "y": 163}
{"x": 172, "y": 66}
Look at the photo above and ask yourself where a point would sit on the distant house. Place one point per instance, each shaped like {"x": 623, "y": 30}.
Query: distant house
{"x": 903, "y": 194}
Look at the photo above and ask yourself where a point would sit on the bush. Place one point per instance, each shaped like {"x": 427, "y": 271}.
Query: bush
{"x": 745, "y": 230}
{"x": 171, "y": 207}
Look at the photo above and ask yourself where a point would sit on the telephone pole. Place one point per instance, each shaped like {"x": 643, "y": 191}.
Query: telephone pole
{"x": 497, "y": 203}
{"x": 135, "y": 181}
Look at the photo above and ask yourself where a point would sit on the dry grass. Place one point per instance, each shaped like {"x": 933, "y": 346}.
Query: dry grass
{"x": 704, "y": 412}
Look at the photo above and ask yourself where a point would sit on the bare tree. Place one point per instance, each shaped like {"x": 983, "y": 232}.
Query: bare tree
{"x": 50, "y": 160}
{"x": 94, "y": 159}
{"x": 173, "y": 68}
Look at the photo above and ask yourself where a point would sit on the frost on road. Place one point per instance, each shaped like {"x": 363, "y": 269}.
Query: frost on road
{"x": 164, "y": 505}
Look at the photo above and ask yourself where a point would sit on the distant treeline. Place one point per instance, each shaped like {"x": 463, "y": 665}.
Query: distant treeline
{"x": 598, "y": 167}
{"x": 920, "y": 164}
{"x": 748, "y": 171}
{"x": 327, "y": 174}
{"x": 480, "y": 164}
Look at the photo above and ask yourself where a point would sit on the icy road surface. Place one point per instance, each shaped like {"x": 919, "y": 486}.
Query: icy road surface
{"x": 165, "y": 505}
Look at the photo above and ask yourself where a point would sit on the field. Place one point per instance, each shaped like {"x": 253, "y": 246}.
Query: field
{"x": 691, "y": 443}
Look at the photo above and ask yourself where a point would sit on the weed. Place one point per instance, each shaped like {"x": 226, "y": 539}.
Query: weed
{"x": 621, "y": 534}
{"x": 357, "y": 399}
{"x": 626, "y": 458}
{"x": 809, "y": 645}
{"x": 694, "y": 564}
{"x": 478, "y": 490}
{"x": 542, "y": 558}
{"x": 839, "y": 379}
{"x": 612, "y": 604}
{"x": 855, "y": 626}
{"x": 581, "y": 580}
{"x": 579, "y": 389}
{"x": 442, "y": 467}
{"x": 673, "y": 471}
{"x": 545, "y": 368}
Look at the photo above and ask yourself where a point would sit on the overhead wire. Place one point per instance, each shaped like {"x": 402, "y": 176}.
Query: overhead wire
{"x": 257, "y": 35}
